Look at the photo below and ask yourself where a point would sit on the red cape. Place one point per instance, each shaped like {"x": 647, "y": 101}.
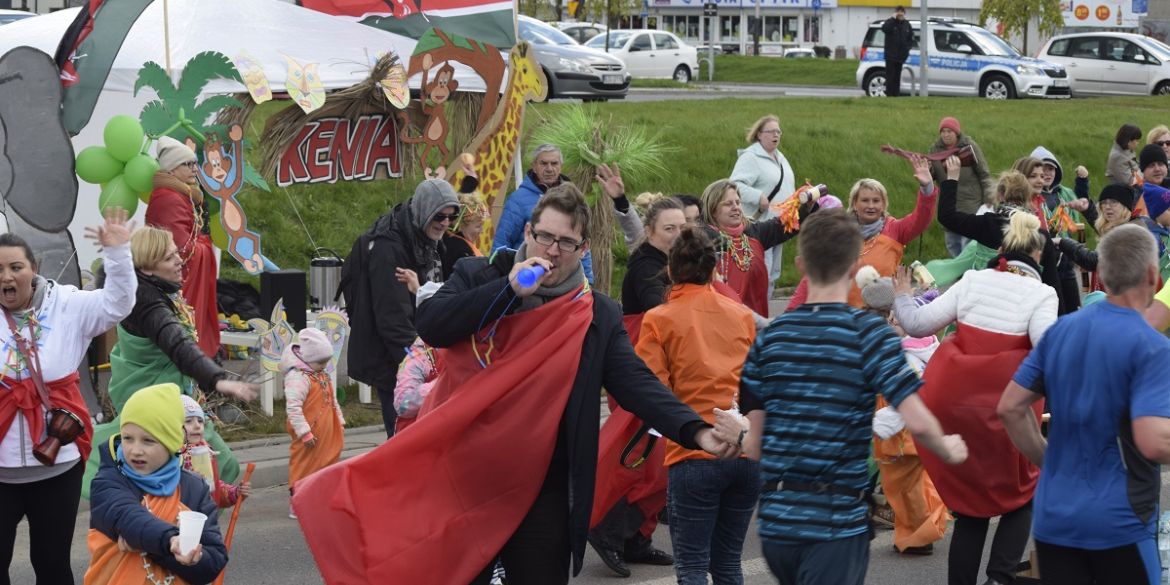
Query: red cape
{"x": 437, "y": 503}
{"x": 962, "y": 385}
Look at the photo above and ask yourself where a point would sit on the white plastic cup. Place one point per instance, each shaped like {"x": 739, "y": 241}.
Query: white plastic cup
{"x": 190, "y": 530}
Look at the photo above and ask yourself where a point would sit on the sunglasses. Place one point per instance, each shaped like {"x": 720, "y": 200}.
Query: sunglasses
{"x": 439, "y": 217}
{"x": 1163, "y": 143}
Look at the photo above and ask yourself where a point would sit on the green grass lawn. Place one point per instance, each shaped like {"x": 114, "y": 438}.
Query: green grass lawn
{"x": 749, "y": 69}
{"x": 833, "y": 141}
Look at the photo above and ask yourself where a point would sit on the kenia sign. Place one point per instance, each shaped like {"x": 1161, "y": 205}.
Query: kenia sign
{"x": 327, "y": 150}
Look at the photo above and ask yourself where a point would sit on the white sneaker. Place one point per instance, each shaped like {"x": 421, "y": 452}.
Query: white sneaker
{"x": 291, "y": 513}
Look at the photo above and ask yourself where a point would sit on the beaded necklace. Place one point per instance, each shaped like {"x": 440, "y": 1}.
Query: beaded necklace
{"x": 737, "y": 249}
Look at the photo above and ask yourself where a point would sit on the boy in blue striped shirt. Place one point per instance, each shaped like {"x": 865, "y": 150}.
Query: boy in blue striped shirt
{"x": 808, "y": 388}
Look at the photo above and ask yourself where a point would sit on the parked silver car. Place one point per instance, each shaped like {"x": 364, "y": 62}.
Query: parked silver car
{"x": 1110, "y": 63}
{"x": 574, "y": 71}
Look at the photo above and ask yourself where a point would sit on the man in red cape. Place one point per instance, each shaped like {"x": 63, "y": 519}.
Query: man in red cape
{"x": 503, "y": 456}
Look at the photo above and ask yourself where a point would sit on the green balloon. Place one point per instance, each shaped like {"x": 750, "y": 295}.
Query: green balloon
{"x": 140, "y": 173}
{"x": 95, "y": 165}
{"x": 117, "y": 193}
{"x": 123, "y": 136}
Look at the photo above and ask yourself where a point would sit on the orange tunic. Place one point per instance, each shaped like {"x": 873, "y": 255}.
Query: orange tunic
{"x": 110, "y": 565}
{"x": 326, "y": 426}
{"x": 696, "y": 344}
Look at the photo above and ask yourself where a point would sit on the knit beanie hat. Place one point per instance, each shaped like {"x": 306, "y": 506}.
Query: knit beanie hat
{"x": 1156, "y": 202}
{"x": 877, "y": 292}
{"x": 949, "y": 122}
{"x": 172, "y": 153}
{"x": 191, "y": 407}
{"x": 431, "y": 196}
{"x": 1150, "y": 154}
{"x": 1121, "y": 193}
{"x": 313, "y": 345}
{"x": 159, "y": 411}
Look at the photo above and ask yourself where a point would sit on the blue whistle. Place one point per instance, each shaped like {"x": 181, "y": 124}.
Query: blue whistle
{"x": 528, "y": 275}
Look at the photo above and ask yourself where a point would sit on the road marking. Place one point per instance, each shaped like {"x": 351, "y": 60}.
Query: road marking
{"x": 751, "y": 567}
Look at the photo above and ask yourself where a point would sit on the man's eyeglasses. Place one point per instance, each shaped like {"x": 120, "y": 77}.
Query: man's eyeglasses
{"x": 439, "y": 217}
{"x": 546, "y": 239}
{"x": 1163, "y": 143}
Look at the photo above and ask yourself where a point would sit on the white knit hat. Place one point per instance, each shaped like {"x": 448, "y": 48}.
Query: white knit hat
{"x": 172, "y": 153}
{"x": 191, "y": 407}
{"x": 313, "y": 345}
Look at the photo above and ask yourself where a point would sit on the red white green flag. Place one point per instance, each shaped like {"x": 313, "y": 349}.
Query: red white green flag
{"x": 487, "y": 21}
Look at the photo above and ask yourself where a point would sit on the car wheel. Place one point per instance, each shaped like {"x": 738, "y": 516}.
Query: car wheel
{"x": 997, "y": 87}
{"x": 875, "y": 83}
{"x": 548, "y": 96}
{"x": 682, "y": 74}
{"x": 1163, "y": 88}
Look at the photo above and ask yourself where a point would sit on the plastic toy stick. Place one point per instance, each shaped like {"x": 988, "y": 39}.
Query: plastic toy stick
{"x": 227, "y": 540}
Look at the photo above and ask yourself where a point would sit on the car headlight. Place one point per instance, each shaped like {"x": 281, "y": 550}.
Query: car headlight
{"x": 573, "y": 65}
{"x": 1029, "y": 70}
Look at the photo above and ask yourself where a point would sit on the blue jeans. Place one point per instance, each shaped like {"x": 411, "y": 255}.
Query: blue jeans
{"x": 954, "y": 242}
{"x": 711, "y": 505}
{"x": 840, "y": 562}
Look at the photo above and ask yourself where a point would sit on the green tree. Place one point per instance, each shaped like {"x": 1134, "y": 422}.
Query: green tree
{"x": 1016, "y": 15}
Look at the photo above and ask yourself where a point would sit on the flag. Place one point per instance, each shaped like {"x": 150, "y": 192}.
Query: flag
{"x": 487, "y": 21}
{"x": 86, "y": 54}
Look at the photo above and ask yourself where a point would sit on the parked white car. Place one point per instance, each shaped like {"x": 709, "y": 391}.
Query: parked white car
{"x": 650, "y": 53}
{"x": 1109, "y": 63}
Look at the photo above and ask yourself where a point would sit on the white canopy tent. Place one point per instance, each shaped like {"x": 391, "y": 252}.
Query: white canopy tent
{"x": 266, "y": 29}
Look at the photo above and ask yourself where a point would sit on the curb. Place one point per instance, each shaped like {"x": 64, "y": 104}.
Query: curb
{"x": 270, "y": 454}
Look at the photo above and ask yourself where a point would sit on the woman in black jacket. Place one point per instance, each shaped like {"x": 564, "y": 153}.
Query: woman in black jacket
{"x": 157, "y": 344}
{"x": 646, "y": 281}
{"x": 1014, "y": 193}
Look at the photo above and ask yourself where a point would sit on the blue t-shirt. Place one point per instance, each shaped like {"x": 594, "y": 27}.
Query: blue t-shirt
{"x": 816, "y": 371}
{"x": 1098, "y": 368}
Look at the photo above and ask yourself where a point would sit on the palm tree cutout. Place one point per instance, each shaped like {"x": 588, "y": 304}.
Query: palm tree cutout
{"x": 179, "y": 113}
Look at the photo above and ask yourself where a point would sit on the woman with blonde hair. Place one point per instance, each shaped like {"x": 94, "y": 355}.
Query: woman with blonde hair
{"x": 461, "y": 237}
{"x": 884, "y": 237}
{"x": 158, "y": 343}
{"x": 763, "y": 175}
{"x": 1001, "y": 313}
{"x": 742, "y": 243}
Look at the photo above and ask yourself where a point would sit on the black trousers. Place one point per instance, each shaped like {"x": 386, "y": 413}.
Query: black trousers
{"x": 1132, "y": 564}
{"x": 538, "y": 552}
{"x": 1007, "y": 546}
{"x": 893, "y": 78}
{"x": 51, "y": 508}
{"x": 389, "y": 415}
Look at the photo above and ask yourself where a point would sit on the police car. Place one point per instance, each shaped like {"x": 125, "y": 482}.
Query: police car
{"x": 965, "y": 60}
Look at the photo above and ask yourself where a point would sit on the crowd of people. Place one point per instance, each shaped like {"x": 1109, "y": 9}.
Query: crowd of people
{"x": 880, "y": 395}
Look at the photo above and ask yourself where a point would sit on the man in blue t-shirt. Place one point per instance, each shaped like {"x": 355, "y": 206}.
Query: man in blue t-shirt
{"x": 809, "y": 389}
{"x": 1101, "y": 371}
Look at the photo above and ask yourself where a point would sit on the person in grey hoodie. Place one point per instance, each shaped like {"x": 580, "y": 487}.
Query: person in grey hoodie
{"x": 763, "y": 176}
{"x": 1080, "y": 209}
{"x": 976, "y": 186}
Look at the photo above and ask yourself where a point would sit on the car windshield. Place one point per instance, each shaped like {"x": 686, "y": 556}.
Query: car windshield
{"x": 991, "y": 44}
{"x": 538, "y": 34}
{"x": 617, "y": 40}
{"x": 1158, "y": 47}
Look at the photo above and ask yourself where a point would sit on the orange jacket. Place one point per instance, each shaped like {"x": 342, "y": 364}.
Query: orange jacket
{"x": 696, "y": 344}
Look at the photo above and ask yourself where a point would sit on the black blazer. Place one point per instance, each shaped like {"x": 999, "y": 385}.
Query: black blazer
{"x": 607, "y": 360}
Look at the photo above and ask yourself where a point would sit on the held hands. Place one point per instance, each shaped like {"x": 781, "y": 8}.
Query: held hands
{"x": 953, "y": 166}
{"x": 922, "y": 171}
{"x": 729, "y": 426}
{"x": 956, "y": 449}
{"x": 611, "y": 180}
{"x": 237, "y": 389}
{"x": 522, "y": 291}
{"x": 114, "y": 232}
{"x": 712, "y": 444}
{"x": 902, "y": 281}
{"x": 189, "y": 559}
{"x": 409, "y": 277}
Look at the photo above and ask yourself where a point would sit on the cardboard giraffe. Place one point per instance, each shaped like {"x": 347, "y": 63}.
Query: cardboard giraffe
{"x": 494, "y": 146}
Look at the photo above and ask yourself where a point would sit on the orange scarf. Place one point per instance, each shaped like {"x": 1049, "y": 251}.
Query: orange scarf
{"x": 109, "y": 564}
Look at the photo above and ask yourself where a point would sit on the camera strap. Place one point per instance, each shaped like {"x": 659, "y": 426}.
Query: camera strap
{"x": 30, "y": 356}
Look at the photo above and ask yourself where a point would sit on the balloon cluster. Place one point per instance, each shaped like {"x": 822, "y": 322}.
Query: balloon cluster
{"x": 121, "y": 167}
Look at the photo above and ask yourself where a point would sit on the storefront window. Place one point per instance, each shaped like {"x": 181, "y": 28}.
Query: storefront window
{"x": 729, "y": 28}
{"x": 812, "y": 29}
{"x": 790, "y": 28}
{"x": 772, "y": 29}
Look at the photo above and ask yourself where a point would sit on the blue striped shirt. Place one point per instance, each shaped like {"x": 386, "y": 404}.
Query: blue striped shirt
{"x": 816, "y": 371}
